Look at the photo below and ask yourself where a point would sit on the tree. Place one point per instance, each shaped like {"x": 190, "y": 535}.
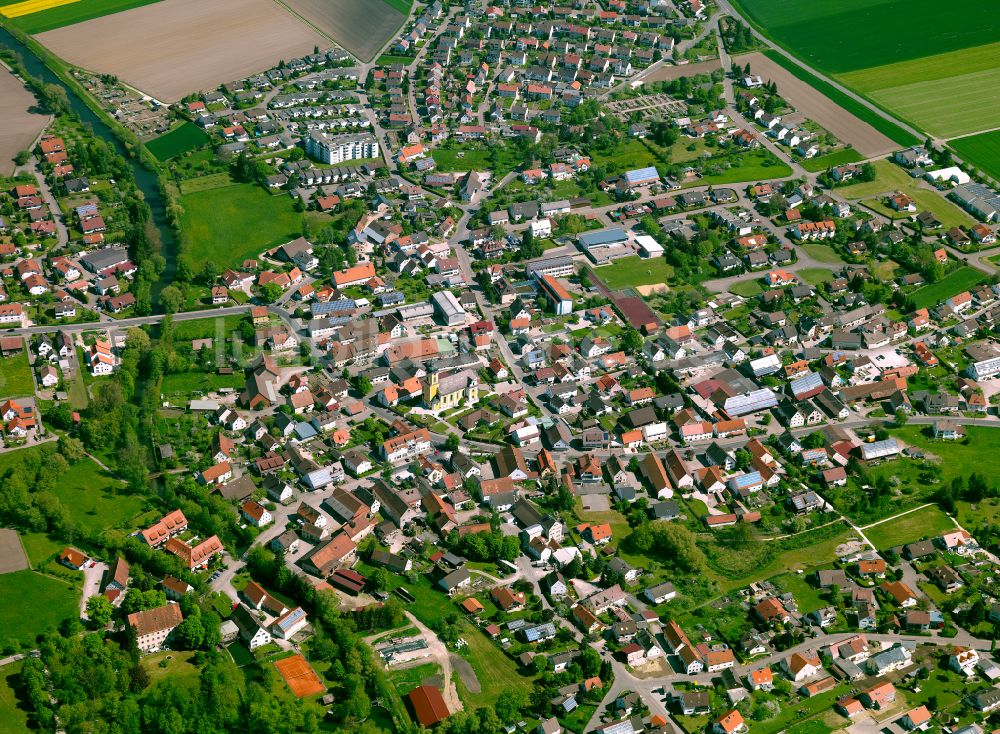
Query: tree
{"x": 901, "y": 417}
{"x": 632, "y": 340}
{"x": 191, "y": 633}
{"x": 452, "y": 442}
{"x": 171, "y": 299}
{"x": 99, "y": 611}
{"x": 362, "y": 384}
{"x": 270, "y": 292}
{"x": 71, "y": 449}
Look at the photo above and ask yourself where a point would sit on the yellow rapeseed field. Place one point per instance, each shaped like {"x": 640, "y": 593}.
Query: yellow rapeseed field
{"x": 32, "y": 6}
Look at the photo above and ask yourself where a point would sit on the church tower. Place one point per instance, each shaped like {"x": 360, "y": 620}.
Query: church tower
{"x": 431, "y": 385}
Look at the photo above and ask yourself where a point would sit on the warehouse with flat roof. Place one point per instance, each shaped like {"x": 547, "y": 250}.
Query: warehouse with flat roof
{"x": 448, "y": 308}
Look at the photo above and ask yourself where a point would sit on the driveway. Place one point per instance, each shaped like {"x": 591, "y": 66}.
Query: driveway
{"x": 92, "y": 577}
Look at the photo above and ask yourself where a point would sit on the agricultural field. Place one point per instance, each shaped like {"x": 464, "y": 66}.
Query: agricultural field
{"x": 955, "y": 282}
{"x": 232, "y": 223}
{"x": 629, "y": 272}
{"x": 173, "y": 47}
{"x": 947, "y": 94}
{"x": 21, "y": 124}
{"x": 923, "y": 523}
{"x": 37, "y": 16}
{"x": 32, "y": 604}
{"x": 362, "y": 27}
{"x": 814, "y": 103}
{"x": 860, "y": 34}
{"x": 15, "y": 376}
{"x": 178, "y": 141}
{"x": 981, "y": 151}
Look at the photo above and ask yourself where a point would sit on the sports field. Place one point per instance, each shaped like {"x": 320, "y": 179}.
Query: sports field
{"x": 363, "y": 27}
{"x": 299, "y": 676}
{"x": 232, "y": 223}
{"x": 37, "y": 16}
{"x": 179, "y": 140}
{"x": 629, "y": 272}
{"x": 173, "y": 47}
{"x": 982, "y": 151}
{"x": 838, "y": 36}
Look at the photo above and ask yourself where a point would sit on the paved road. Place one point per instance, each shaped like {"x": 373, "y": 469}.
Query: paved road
{"x": 123, "y": 324}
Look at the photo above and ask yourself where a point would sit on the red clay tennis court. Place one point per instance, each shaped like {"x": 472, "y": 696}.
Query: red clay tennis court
{"x": 299, "y": 676}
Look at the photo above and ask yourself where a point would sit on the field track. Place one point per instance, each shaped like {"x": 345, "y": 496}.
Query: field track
{"x": 174, "y": 47}
{"x": 20, "y": 126}
{"x": 868, "y": 141}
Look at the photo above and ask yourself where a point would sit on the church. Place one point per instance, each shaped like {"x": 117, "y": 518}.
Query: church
{"x": 450, "y": 391}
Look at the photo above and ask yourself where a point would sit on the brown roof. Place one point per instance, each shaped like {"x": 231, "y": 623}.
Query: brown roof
{"x": 428, "y": 705}
{"x": 156, "y": 620}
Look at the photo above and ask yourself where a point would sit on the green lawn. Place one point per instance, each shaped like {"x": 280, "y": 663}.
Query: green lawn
{"x": 39, "y": 547}
{"x": 949, "y": 214}
{"x": 836, "y": 158}
{"x": 629, "y": 272}
{"x": 236, "y": 222}
{"x": 208, "y": 328}
{"x": 407, "y": 679}
{"x": 15, "y": 376}
{"x": 888, "y": 178}
{"x": 747, "y": 288}
{"x": 815, "y": 276}
{"x": 926, "y": 522}
{"x": 495, "y": 671}
{"x": 178, "y": 668}
{"x": 752, "y": 166}
{"x": 625, "y": 156}
{"x": 186, "y": 383}
{"x": 74, "y": 12}
{"x": 474, "y": 157}
{"x": 981, "y": 151}
{"x": 12, "y": 717}
{"x": 32, "y": 603}
{"x": 808, "y": 597}
{"x": 179, "y": 140}
{"x": 822, "y": 253}
{"x": 957, "y": 281}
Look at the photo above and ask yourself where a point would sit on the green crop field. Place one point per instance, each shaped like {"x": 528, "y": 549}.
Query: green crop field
{"x": 981, "y": 151}
{"x": 838, "y": 36}
{"x": 926, "y": 522}
{"x": 960, "y": 280}
{"x": 32, "y": 604}
{"x": 836, "y": 158}
{"x": 15, "y": 376}
{"x": 179, "y": 140}
{"x": 947, "y": 94}
{"x": 236, "y": 222}
{"x": 629, "y": 272}
{"x": 884, "y": 126}
{"x": 74, "y": 12}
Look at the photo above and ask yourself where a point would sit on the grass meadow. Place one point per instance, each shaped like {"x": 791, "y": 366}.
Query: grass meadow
{"x": 15, "y": 376}
{"x": 232, "y": 223}
{"x": 926, "y": 522}
{"x": 955, "y": 282}
{"x": 179, "y": 140}
{"x": 32, "y": 604}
